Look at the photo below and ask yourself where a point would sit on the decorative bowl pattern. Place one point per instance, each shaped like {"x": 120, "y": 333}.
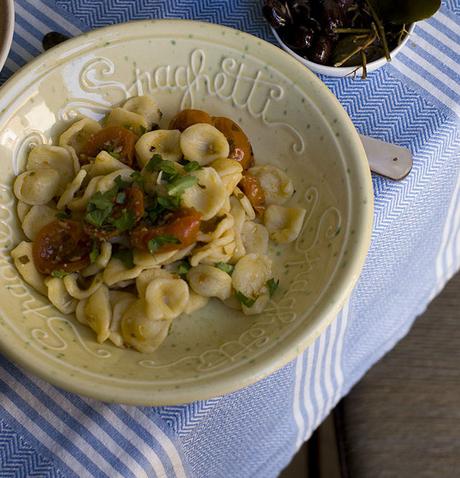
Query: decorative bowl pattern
{"x": 292, "y": 120}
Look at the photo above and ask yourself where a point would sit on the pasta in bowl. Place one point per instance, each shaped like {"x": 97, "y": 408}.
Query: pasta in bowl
{"x": 128, "y": 240}
{"x": 154, "y": 259}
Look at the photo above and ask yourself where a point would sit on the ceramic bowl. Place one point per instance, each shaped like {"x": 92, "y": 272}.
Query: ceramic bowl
{"x": 343, "y": 70}
{"x": 6, "y": 28}
{"x": 292, "y": 120}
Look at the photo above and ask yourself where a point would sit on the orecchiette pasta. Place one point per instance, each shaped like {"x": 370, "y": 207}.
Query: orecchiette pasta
{"x": 78, "y": 134}
{"x": 23, "y": 260}
{"x": 277, "y": 186}
{"x": 59, "y": 297}
{"x": 208, "y": 195}
{"x": 53, "y": 157}
{"x": 203, "y": 143}
{"x": 36, "y": 218}
{"x": 133, "y": 225}
{"x": 127, "y": 119}
{"x": 208, "y": 281}
{"x": 37, "y": 186}
{"x": 162, "y": 141}
{"x": 284, "y": 223}
{"x": 145, "y": 106}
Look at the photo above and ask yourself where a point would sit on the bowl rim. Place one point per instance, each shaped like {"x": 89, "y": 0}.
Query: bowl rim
{"x": 341, "y": 71}
{"x": 8, "y": 31}
{"x": 247, "y": 373}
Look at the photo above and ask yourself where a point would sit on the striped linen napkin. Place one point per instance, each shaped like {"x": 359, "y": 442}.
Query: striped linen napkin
{"x": 414, "y": 102}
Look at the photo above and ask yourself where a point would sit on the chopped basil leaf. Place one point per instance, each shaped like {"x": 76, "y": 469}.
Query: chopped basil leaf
{"x": 102, "y": 200}
{"x": 97, "y": 216}
{"x": 246, "y": 301}
{"x": 272, "y": 285}
{"x": 155, "y": 243}
{"x": 180, "y": 184}
{"x": 125, "y": 221}
{"x": 125, "y": 256}
{"x": 121, "y": 198}
{"x": 192, "y": 166}
{"x": 183, "y": 267}
{"x": 121, "y": 183}
{"x": 115, "y": 155}
{"x": 170, "y": 203}
{"x": 154, "y": 163}
{"x": 137, "y": 178}
{"x": 58, "y": 274}
{"x": 223, "y": 266}
{"x": 142, "y": 130}
{"x": 93, "y": 255}
{"x": 63, "y": 215}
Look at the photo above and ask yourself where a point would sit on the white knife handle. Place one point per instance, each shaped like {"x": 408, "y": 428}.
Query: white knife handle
{"x": 389, "y": 160}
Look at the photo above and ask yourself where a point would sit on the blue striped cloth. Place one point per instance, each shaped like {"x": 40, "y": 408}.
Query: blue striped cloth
{"x": 415, "y": 102}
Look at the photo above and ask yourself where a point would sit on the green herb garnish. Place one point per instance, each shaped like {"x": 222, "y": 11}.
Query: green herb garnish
{"x": 223, "y": 266}
{"x": 167, "y": 167}
{"x": 58, "y": 274}
{"x": 137, "y": 178}
{"x": 246, "y": 301}
{"x": 63, "y": 215}
{"x": 94, "y": 253}
{"x": 183, "y": 267}
{"x": 154, "y": 163}
{"x": 115, "y": 155}
{"x": 170, "y": 203}
{"x": 180, "y": 184}
{"x": 272, "y": 285}
{"x": 96, "y": 217}
{"x": 155, "y": 243}
{"x": 125, "y": 256}
{"x": 121, "y": 183}
{"x": 121, "y": 198}
{"x": 192, "y": 166}
{"x": 125, "y": 221}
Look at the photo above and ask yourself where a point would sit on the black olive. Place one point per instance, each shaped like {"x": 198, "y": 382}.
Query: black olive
{"x": 300, "y": 10}
{"x": 297, "y": 37}
{"x": 52, "y": 39}
{"x": 321, "y": 50}
{"x": 276, "y": 13}
{"x": 332, "y": 15}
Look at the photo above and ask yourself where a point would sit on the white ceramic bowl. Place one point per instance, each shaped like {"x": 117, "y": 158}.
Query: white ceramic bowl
{"x": 292, "y": 120}
{"x": 6, "y": 28}
{"x": 343, "y": 70}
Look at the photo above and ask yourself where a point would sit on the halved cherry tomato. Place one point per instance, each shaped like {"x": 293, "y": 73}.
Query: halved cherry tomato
{"x": 114, "y": 139}
{"x": 186, "y": 118}
{"x": 250, "y": 185}
{"x": 240, "y": 147}
{"x": 183, "y": 225}
{"x": 61, "y": 245}
{"x": 135, "y": 201}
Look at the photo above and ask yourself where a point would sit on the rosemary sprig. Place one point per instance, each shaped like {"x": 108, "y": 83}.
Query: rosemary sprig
{"x": 380, "y": 30}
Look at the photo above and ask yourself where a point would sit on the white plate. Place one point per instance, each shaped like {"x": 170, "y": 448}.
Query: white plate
{"x": 292, "y": 120}
{"x": 6, "y": 28}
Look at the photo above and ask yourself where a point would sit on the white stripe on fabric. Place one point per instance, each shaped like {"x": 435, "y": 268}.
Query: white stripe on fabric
{"x": 338, "y": 371}
{"x": 441, "y": 274}
{"x": 441, "y": 56}
{"x": 55, "y": 422}
{"x": 12, "y": 65}
{"x": 440, "y": 36}
{"x": 37, "y": 24}
{"x": 149, "y": 454}
{"x": 19, "y": 50}
{"x": 57, "y": 18}
{"x": 42, "y": 436}
{"x": 26, "y": 36}
{"x": 319, "y": 397}
{"x": 96, "y": 430}
{"x": 451, "y": 249}
{"x": 163, "y": 439}
{"x": 438, "y": 74}
{"x": 328, "y": 366}
{"x": 308, "y": 388}
{"x": 414, "y": 76}
{"x": 448, "y": 22}
{"x": 297, "y": 414}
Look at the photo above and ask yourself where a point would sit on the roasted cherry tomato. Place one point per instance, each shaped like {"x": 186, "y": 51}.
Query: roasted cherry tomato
{"x": 186, "y": 118}
{"x": 240, "y": 147}
{"x": 61, "y": 245}
{"x": 135, "y": 201}
{"x": 250, "y": 185}
{"x": 183, "y": 226}
{"x": 114, "y": 139}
